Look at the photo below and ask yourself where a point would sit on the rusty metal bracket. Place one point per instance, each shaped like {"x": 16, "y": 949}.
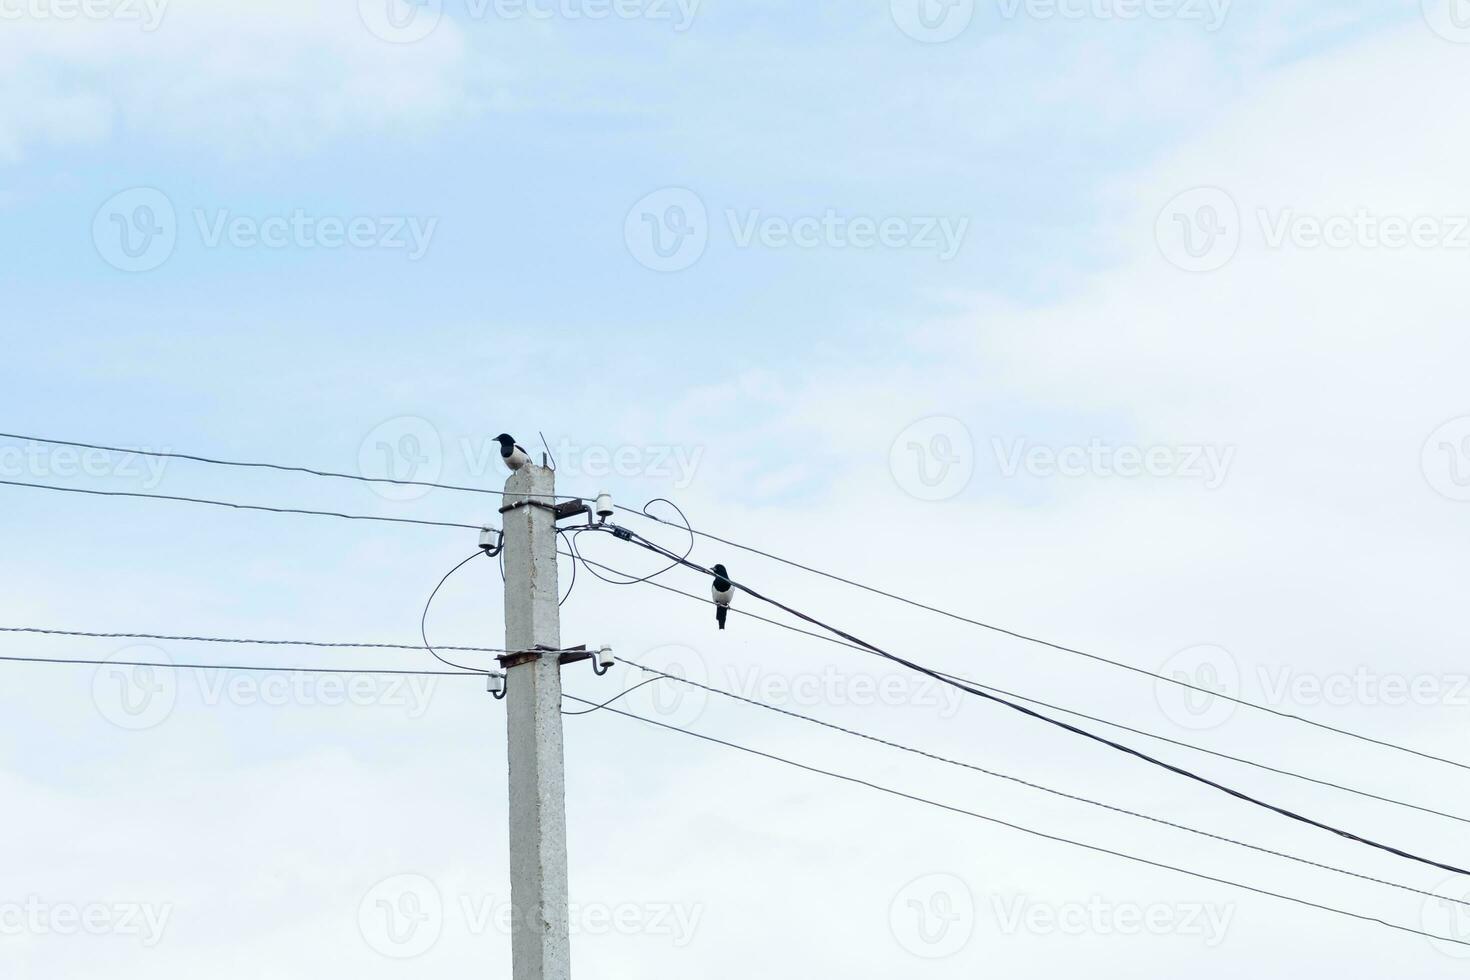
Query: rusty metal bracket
{"x": 566, "y": 655}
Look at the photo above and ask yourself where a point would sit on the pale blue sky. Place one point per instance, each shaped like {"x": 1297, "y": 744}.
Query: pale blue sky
{"x": 1304, "y": 407}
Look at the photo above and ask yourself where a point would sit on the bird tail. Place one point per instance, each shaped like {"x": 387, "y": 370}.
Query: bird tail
{"x": 720, "y": 612}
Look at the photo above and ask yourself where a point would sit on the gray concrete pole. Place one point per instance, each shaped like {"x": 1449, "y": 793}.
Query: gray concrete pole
{"x": 540, "y": 949}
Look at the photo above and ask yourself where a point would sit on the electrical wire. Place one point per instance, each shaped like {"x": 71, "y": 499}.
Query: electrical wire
{"x": 39, "y": 631}
{"x": 237, "y": 506}
{"x": 263, "y": 466}
{"x": 423, "y": 619}
{"x": 588, "y": 711}
{"x": 1057, "y": 723}
{"x": 1026, "y": 830}
{"x": 1060, "y": 647}
{"x": 634, "y": 580}
{"x": 259, "y": 667}
{"x": 1079, "y": 714}
{"x": 660, "y": 675}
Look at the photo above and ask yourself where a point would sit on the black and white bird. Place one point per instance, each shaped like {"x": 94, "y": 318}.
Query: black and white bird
{"x": 723, "y": 592}
{"x": 512, "y": 455}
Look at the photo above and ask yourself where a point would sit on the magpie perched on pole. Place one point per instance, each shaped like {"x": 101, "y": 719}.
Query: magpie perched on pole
{"x": 512, "y": 455}
{"x": 723, "y": 592}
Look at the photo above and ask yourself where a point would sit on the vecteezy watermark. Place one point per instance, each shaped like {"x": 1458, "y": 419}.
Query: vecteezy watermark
{"x": 1450, "y": 19}
{"x": 933, "y": 917}
{"x": 133, "y": 691}
{"x": 1447, "y": 914}
{"x": 932, "y": 21}
{"x": 407, "y": 453}
{"x": 675, "y": 464}
{"x": 1363, "y": 686}
{"x": 937, "y": 21}
{"x": 408, "y": 21}
{"x": 834, "y": 688}
{"x": 410, "y": 694}
{"x": 139, "y": 688}
{"x": 406, "y": 449}
{"x": 1197, "y": 686}
{"x": 669, "y": 230}
{"x": 137, "y": 230}
{"x": 1210, "y": 14}
{"x": 1208, "y": 464}
{"x": 140, "y": 921}
{"x": 401, "y": 917}
{"x": 404, "y": 916}
{"x": 42, "y": 461}
{"x": 933, "y": 459}
{"x": 147, "y": 14}
{"x": 1201, "y": 230}
{"x": 1201, "y": 687}
{"x": 668, "y": 701}
{"x": 1205, "y": 921}
{"x": 1446, "y": 459}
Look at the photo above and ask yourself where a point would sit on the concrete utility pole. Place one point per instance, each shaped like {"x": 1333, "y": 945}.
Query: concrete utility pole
{"x": 540, "y": 948}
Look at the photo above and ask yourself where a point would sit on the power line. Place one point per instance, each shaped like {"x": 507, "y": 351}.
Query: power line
{"x": 263, "y": 466}
{"x": 236, "y": 506}
{"x": 660, "y": 675}
{"x": 424, "y": 618}
{"x": 1055, "y": 646}
{"x": 1025, "y": 830}
{"x": 164, "y": 637}
{"x": 1071, "y": 711}
{"x": 247, "y": 667}
{"x": 1057, "y": 723}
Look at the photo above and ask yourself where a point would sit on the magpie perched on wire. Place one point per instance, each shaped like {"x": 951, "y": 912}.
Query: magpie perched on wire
{"x": 512, "y": 455}
{"x": 723, "y": 593}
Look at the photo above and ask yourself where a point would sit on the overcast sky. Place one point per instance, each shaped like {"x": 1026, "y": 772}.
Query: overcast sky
{"x": 1136, "y": 326}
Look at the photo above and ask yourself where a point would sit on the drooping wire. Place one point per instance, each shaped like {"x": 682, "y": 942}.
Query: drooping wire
{"x": 764, "y": 705}
{"x": 237, "y": 506}
{"x": 633, "y": 580}
{"x": 264, "y": 466}
{"x": 599, "y": 707}
{"x": 563, "y": 600}
{"x": 423, "y": 619}
{"x": 1179, "y": 682}
{"x": 1054, "y": 707}
{"x": 1055, "y": 722}
{"x": 1096, "y": 848}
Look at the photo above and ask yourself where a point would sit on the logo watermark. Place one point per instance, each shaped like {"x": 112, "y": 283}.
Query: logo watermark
{"x": 1213, "y": 676}
{"x": 670, "y": 230}
{"x": 405, "y": 916}
{"x": 1201, "y": 230}
{"x": 40, "y": 461}
{"x": 1209, "y": 464}
{"x": 410, "y": 21}
{"x": 139, "y": 689}
{"x": 933, "y": 917}
{"x": 1209, "y": 14}
{"x": 147, "y": 14}
{"x": 933, "y": 459}
{"x": 1445, "y": 459}
{"x": 1205, "y": 921}
{"x": 412, "y": 451}
{"x": 1450, "y": 19}
{"x": 137, "y": 230}
{"x": 1447, "y": 914}
{"x": 141, "y": 921}
{"x": 131, "y": 695}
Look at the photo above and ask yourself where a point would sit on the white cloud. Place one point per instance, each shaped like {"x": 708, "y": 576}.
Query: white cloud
{"x": 247, "y": 78}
